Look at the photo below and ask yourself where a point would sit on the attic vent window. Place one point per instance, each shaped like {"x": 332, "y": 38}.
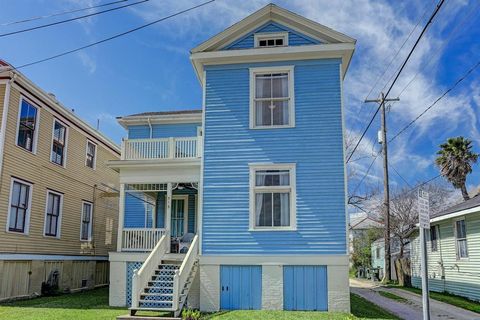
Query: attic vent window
{"x": 268, "y": 40}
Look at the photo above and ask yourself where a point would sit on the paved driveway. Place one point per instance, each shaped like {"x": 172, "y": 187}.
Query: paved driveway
{"x": 411, "y": 310}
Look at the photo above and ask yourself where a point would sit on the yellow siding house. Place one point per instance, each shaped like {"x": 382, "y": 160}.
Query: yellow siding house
{"x": 58, "y": 199}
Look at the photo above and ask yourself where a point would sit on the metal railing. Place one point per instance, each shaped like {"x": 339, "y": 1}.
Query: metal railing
{"x": 141, "y": 239}
{"x": 165, "y": 148}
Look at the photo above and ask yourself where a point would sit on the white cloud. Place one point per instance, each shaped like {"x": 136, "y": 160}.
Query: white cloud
{"x": 87, "y": 61}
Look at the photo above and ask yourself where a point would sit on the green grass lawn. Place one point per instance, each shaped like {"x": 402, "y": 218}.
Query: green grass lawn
{"x": 392, "y": 296}
{"x": 94, "y": 305}
{"x": 458, "y": 301}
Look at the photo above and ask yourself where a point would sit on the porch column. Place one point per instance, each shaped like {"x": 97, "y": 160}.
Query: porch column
{"x": 121, "y": 216}
{"x": 168, "y": 214}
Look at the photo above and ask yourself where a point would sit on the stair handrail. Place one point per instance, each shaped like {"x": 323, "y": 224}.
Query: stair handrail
{"x": 182, "y": 274}
{"x": 141, "y": 276}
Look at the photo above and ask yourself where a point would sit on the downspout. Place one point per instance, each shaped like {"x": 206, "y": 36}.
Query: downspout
{"x": 3, "y": 125}
{"x": 150, "y": 125}
{"x": 93, "y": 218}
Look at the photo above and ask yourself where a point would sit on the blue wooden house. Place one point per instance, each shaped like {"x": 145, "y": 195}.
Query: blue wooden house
{"x": 241, "y": 205}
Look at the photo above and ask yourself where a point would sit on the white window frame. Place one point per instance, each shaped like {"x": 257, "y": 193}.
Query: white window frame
{"x": 29, "y": 208}
{"x": 270, "y": 35}
{"x": 37, "y": 124}
{"x": 65, "y": 146}
{"x": 457, "y": 253}
{"x": 60, "y": 214}
{"x": 90, "y": 226}
{"x": 86, "y": 155}
{"x": 291, "y": 95}
{"x": 292, "y": 188}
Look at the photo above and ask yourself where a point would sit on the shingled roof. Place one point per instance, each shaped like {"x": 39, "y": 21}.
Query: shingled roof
{"x": 471, "y": 203}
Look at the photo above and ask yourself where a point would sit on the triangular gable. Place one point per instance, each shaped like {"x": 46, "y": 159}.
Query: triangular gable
{"x": 295, "y": 38}
{"x": 300, "y": 27}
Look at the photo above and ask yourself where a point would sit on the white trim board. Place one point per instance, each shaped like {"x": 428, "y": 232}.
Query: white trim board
{"x": 319, "y": 51}
{"x": 456, "y": 214}
{"x": 28, "y": 256}
{"x": 327, "y": 259}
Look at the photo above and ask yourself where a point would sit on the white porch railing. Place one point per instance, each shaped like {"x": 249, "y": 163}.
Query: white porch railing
{"x": 141, "y": 239}
{"x": 141, "y": 277}
{"x": 181, "y": 276}
{"x": 168, "y": 148}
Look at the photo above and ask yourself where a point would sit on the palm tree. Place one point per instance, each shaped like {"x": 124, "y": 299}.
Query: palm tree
{"x": 455, "y": 159}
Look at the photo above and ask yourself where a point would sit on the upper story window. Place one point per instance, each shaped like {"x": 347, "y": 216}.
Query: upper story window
{"x": 461, "y": 239}
{"x": 272, "y": 97}
{"x": 434, "y": 238}
{"x": 271, "y": 39}
{"x": 91, "y": 155}
{"x": 86, "y": 226}
{"x": 27, "y": 126}
{"x": 19, "y": 209}
{"x": 52, "y": 214}
{"x": 272, "y": 197}
{"x": 59, "y": 143}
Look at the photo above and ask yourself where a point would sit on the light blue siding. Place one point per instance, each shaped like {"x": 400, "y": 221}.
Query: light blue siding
{"x": 135, "y": 211}
{"x": 315, "y": 145}
{"x": 164, "y": 130}
{"x": 294, "y": 38}
{"x": 240, "y": 287}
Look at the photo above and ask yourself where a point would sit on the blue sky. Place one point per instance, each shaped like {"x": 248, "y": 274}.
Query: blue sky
{"x": 150, "y": 70}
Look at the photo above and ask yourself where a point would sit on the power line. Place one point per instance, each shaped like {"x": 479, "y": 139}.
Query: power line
{"x": 398, "y": 51}
{"x": 436, "y": 101}
{"x": 112, "y": 37}
{"x": 398, "y": 74}
{"x": 398, "y": 174}
{"x": 61, "y": 13}
{"x": 71, "y": 19}
{"x": 366, "y": 173}
{"x": 439, "y": 51}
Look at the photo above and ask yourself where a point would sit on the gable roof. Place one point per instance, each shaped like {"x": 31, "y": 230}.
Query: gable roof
{"x": 470, "y": 206}
{"x": 274, "y": 13}
{"x": 162, "y": 113}
{"x": 332, "y": 44}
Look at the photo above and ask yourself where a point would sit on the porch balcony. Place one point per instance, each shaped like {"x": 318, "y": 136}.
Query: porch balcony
{"x": 149, "y": 211}
{"x": 161, "y": 148}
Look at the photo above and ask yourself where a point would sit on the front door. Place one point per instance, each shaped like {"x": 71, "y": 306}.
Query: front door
{"x": 179, "y": 216}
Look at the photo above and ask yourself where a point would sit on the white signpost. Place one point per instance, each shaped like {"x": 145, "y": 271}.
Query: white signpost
{"x": 424, "y": 221}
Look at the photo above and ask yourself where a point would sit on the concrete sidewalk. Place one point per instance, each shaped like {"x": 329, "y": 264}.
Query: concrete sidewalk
{"x": 412, "y": 309}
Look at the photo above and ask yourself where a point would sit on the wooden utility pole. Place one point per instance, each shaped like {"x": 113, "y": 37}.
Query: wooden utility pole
{"x": 386, "y": 188}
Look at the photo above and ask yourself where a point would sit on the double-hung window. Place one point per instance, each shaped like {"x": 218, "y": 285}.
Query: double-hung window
{"x": 53, "y": 214}
{"x": 272, "y": 97}
{"x": 272, "y": 197}
{"x": 19, "y": 211}
{"x": 27, "y": 126}
{"x": 86, "y": 226}
{"x": 434, "y": 238}
{"x": 59, "y": 143}
{"x": 461, "y": 239}
{"x": 91, "y": 154}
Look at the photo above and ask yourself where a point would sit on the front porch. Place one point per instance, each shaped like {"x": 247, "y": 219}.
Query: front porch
{"x": 152, "y": 210}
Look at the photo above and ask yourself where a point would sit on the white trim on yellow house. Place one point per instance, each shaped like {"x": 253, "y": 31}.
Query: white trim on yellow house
{"x": 60, "y": 215}
{"x": 37, "y": 123}
{"x": 3, "y": 124}
{"x": 65, "y": 146}
{"x": 29, "y": 207}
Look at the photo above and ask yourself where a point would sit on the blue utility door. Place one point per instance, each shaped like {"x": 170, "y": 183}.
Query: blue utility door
{"x": 240, "y": 287}
{"x": 305, "y": 288}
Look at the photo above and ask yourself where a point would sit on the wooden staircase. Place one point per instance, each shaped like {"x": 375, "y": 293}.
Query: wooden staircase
{"x": 162, "y": 285}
